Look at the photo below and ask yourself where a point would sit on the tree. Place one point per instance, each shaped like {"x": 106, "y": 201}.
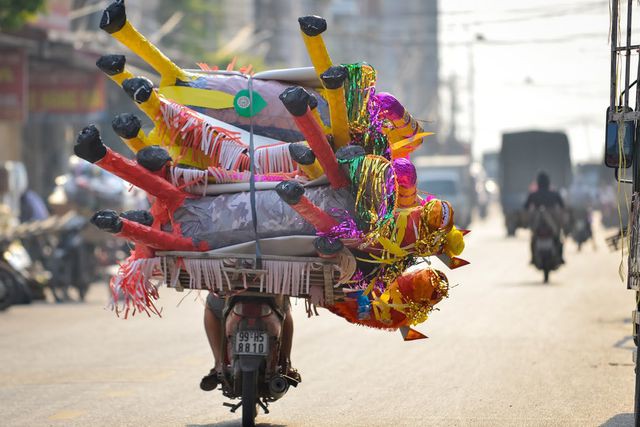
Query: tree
{"x": 15, "y": 13}
{"x": 198, "y": 37}
{"x": 198, "y": 30}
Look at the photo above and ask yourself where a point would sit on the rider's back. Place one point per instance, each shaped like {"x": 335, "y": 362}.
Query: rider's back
{"x": 544, "y": 198}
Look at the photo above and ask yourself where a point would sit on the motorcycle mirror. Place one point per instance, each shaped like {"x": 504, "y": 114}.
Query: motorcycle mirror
{"x": 616, "y": 156}
{"x": 621, "y": 180}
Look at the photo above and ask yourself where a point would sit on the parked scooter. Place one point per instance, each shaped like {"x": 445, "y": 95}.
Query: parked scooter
{"x": 545, "y": 245}
{"x": 66, "y": 255}
{"x": 252, "y": 338}
{"x": 16, "y": 283}
{"x": 72, "y": 263}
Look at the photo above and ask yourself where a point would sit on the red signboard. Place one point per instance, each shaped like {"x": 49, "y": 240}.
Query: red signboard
{"x": 13, "y": 85}
{"x": 58, "y": 90}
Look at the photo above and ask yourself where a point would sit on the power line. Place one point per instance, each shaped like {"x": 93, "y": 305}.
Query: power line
{"x": 543, "y": 14}
{"x": 560, "y": 39}
{"x": 528, "y": 9}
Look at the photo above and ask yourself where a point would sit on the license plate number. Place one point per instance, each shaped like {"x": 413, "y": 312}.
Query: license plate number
{"x": 252, "y": 343}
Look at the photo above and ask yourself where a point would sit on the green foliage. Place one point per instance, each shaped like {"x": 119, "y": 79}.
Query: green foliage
{"x": 197, "y": 32}
{"x": 198, "y": 36}
{"x": 15, "y": 13}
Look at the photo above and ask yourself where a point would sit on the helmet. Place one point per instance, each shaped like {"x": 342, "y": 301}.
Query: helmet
{"x": 543, "y": 181}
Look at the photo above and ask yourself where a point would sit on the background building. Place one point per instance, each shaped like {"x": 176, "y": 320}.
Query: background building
{"x": 51, "y": 87}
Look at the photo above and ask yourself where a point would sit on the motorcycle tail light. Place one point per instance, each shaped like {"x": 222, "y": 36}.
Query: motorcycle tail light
{"x": 265, "y": 310}
{"x": 246, "y": 309}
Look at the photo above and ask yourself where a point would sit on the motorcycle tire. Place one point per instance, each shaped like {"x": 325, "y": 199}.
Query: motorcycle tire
{"x": 5, "y": 296}
{"x": 249, "y": 398}
{"x": 59, "y": 291}
{"x": 19, "y": 289}
{"x": 82, "y": 292}
{"x": 546, "y": 275}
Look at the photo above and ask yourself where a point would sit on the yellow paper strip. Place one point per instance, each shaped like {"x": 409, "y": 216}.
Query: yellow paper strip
{"x": 400, "y": 144}
{"x": 197, "y": 97}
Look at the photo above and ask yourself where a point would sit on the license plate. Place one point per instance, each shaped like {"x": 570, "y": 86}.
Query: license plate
{"x": 544, "y": 244}
{"x": 252, "y": 343}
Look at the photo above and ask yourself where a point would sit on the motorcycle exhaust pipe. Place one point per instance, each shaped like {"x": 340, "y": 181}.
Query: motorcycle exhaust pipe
{"x": 278, "y": 387}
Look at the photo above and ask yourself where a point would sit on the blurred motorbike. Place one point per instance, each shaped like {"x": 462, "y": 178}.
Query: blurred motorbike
{"x": 580, "y": 226}
{"x": 546, "y": 246}
{"x": 18, "y": 284}
{"x": 19, "y": 281}
{"x": 252, "y": 370}
{"x": 78, "y": 254}
{"x": 71, "y": 260}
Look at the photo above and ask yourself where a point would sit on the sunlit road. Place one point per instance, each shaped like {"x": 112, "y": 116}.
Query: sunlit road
{"x": 504, "y": 349}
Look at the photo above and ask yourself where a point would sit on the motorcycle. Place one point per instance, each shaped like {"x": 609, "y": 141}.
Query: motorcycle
{"x": 252, "y": 366}
{"x": 17, "y": 286}
{"x": 581, "y": 227}
{"x": 59, "y": 246}
{"x": 252, "y": 371}
{"x": 72, "y": 262}
{"x": 546, "y": 245}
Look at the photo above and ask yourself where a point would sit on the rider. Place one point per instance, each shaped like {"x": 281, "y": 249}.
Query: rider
{"x": 551, "y": 200}
{"x": 213, "y": 328}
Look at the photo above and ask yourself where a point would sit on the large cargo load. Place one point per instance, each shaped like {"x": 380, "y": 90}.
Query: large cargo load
{"x": 275, "y": 182}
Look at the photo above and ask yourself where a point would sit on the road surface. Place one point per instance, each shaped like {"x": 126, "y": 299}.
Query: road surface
{"x": 504, "y": 349}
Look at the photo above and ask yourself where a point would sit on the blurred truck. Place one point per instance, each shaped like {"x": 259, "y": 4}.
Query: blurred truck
{"x": 522, "y": 156}
{"x": 449, "y": 178}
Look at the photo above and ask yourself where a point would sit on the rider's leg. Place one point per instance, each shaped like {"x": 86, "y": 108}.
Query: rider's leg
{"x": 287, "y": 336}
{"x": 532, "y": 247}
{"x": 287, "y": 341}
{"x": 213, "y": 328}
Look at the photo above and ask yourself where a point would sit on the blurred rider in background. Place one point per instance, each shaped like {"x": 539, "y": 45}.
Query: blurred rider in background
{"x": 544, "y": 197}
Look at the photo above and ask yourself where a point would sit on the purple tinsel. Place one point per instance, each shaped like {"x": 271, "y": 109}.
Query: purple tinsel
{"x": 387, "y": 205}
{"x": 379, "y": 285}
{"x": 375, "y": 109}
{"x": 376, "y": 121}
{"x": 346, "y": 229}
{"x": 357, "y": 281}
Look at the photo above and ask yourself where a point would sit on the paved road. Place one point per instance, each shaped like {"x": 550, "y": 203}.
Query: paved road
{"x": 504, "y": 349}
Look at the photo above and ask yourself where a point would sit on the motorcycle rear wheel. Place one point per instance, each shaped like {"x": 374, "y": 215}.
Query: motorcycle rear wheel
{"x": 18, "y": 288}
{"x": 249, "y": 398}
{"x": 5, "y": 295}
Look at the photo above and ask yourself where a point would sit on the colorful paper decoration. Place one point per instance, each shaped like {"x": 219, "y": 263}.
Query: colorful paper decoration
{"x": 201, "y": 142}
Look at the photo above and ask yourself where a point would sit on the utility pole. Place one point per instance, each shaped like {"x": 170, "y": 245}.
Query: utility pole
{"x": 622, "y": 143}
{"x": 472, "y": 92}
{"x": 453, "y": 137}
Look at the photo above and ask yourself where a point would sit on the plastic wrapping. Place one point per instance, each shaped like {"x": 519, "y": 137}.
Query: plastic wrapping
{"x": 226, "y": 219}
